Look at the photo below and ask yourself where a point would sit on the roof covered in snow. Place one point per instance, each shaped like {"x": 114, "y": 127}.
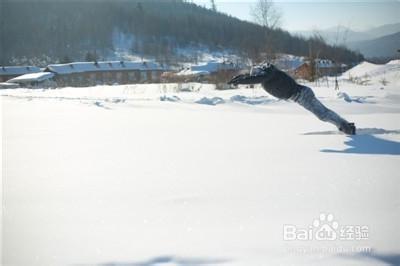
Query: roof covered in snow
{"x": 288, "y": 62}
{"x": 321, "y": 63}
{"x": 7, "y": 85}
{"x": 18, "y": 70}
{"x": 207, "y": 68}
{"x": 40, "y": 76}
{"x": 324, "y": 63}
{"x": 78, "y": 67}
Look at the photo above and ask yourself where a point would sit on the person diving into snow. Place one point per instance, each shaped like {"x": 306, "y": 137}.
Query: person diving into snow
{"x": 282, "y": 86}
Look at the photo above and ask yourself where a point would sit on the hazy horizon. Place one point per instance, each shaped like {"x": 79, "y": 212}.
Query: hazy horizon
{"x": 319, "y": 15}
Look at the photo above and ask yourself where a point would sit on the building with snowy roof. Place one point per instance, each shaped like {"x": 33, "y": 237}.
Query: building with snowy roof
{"x": 32, "y": 80}
{"x": 322, "y": 67}
{"x": 288, "y": 62}
{"x": 216, "y": 72}
{"x": 208, "y": 68}
{"x": 9, "y": 72}
{"x": 111, "y": 72}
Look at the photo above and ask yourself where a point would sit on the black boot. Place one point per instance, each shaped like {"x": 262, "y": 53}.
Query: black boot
{"x": 348, "y": 128}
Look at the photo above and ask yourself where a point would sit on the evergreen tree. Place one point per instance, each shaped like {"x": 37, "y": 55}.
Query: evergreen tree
{"x": 65, "y": 60}
{"x": 75, "y": 27}
{"x": 91, "y": 57}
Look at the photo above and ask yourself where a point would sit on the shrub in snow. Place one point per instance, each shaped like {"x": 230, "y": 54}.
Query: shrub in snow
{"x": 363, "y": 80}
{"x": 384, "y": 81}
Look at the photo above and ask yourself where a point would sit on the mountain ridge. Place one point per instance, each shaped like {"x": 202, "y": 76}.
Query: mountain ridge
{"x": 385, "y": 46}
{"x": 346, "y": 34}
{"x": 65, "y": 30}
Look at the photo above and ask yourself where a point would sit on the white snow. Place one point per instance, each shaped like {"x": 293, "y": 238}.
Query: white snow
{"x": 78, "y": 67}
{"x": 125, "y": 47}
{"x": 211, "y": 101}
{"x": 40, "y": 76}
{"x": 203, "y": 54}
{"x": 345, "y": 96}
{"x": 150, "y": 175}
{"x": 8, "y": 85}
{"x": 374, "y": 70}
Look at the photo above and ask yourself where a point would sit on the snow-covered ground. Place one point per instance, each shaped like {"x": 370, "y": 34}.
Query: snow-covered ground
{"x": 124, "y": 49}
{"x": 185, "y": 175}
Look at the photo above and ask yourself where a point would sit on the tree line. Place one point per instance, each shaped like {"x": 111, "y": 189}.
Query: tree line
{"x": 60, "y": 30}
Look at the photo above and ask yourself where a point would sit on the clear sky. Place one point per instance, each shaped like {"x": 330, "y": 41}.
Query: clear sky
{"x": 321, "y": 14}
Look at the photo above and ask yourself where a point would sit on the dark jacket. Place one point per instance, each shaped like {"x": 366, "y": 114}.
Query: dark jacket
{"x": 279, "y": 84}
{"x": 274, "y": 81}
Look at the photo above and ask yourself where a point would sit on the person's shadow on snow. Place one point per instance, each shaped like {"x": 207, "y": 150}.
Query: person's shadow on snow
{"x": 365, "y": 142}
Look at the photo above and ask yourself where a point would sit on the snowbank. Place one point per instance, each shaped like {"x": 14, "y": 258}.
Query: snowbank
{"x": 148, "y": 175}
{"x": 370, "y": 69}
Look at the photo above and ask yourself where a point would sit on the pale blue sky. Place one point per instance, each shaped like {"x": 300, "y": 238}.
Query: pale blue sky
{"x": 322, "y": 14}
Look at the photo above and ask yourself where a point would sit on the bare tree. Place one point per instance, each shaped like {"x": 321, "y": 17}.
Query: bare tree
{"x": 266, "y": 14}
{"x": 213, "y": 6}
{"x": 338, "y": 43}
{"x": 341, "y": 35}
{"x": 315, "y": 47}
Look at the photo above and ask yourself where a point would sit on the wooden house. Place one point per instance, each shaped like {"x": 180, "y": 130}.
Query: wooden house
{"x": 323, "y": 67}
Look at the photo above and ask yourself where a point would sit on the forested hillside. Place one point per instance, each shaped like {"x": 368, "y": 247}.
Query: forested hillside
{"x": 62, "y": 30}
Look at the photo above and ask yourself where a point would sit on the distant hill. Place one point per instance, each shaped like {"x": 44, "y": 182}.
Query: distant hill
{"x": 338, "y": 35}
{"x": 385, "y": 46}
{"x": 46, "y": 31}
{"x": 346, "y": 35}
{"x": 384, "y": 30}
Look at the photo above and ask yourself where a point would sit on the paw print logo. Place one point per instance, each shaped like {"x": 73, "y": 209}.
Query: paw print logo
{"x": 325, "y": 227}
